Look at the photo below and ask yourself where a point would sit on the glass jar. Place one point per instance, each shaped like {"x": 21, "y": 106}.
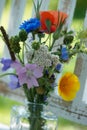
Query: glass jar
{"x": 32, "y": 117}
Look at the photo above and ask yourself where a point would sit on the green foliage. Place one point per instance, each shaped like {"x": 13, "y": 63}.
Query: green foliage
{"x": 23, "y": 35}
{"x": 36, "y": 45}
{"x": 80, "y": 9}
{"x": 14, "y": 44}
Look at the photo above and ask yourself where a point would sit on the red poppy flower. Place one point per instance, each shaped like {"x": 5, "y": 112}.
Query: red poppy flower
{"x": 55, "y": 18}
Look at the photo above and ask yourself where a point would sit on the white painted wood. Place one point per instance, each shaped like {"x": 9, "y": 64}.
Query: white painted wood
{"x": 16, "y": 14}
{"x": 2, "y": 3}
{"x": 67, "y": 110}
{"x": 67, "y": 6}
{"x": 4, "y": 127}
{"x": 85, "y": 21}
{"x": 81, "y": 72}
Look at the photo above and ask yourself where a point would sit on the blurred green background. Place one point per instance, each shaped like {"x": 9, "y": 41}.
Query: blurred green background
{"x": 77, "y": 23}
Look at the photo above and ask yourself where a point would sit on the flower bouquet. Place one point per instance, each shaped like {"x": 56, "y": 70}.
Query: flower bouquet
{"x": 37, "y": 52}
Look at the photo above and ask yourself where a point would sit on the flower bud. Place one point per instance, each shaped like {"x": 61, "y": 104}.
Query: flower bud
{"x": 14, "y": 44}
{"x": 35, "y": 45}
{"x": 23, "y": 35}
{"x": 40, "y": 90}
{"x": 68, "y": 39}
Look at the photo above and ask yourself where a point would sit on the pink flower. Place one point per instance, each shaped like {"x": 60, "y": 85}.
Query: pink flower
{"x": 28, "y": 74}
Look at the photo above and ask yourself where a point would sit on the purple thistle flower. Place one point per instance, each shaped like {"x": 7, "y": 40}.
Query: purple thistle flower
{"x": 30, "y": 25}
{"x": 28, "y": 74}
{"x": 6, "y": 64}
{"x": 14, "y": 83}
{"x": 64, "y": 53}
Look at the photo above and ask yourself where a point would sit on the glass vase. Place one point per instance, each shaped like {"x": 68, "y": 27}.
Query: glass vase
{"x": 32, "y": 117}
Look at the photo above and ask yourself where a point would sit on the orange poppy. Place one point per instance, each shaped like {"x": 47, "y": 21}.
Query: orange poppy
{"x": 68, "y": 86}
{"x": 55, "y": 18}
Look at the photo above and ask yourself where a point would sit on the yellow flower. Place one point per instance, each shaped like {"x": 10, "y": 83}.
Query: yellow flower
{"x": 68, "y": 86}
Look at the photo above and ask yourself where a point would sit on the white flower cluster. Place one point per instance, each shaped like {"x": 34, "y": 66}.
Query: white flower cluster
{"x": 29, "y": 55}
{"x": 43, "y": 57}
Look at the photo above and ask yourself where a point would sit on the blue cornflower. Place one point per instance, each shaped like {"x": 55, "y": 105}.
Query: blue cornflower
{"x": 64, "y": 53}
{"x": 59, "y": 67}
{"x": 6, "y": 64}
{"x": 14, "y": 83}
{"x": 30, "y": 25}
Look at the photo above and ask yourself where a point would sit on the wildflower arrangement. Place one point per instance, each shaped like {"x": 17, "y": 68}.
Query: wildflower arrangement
{"x": 37, "y": 52}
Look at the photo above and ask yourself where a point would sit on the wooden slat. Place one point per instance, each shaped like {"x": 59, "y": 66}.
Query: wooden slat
{"x": 2, "y": 3}
{"x": 67, "y": 110}
{"x": 81, "y": 70}
{"x": 16, "y": 94}
{"x": 16, "y": 14}
{"x": 67, "y": 6}
{"x": 85, "y": 21}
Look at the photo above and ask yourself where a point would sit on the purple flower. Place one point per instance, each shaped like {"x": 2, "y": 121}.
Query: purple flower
{"x": 64, "y": 53}
{"x": 28, "y": 74}
{"x": 6, "y": 64}
{"x": 14, "y": 83}
{"x": 30, "y": 25}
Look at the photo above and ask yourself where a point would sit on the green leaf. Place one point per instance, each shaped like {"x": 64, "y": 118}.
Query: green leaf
{"x": 48, "y": 24}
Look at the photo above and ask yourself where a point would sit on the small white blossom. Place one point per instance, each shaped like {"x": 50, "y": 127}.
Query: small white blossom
{"x": 29, "y": 55}
{"x": 48, "y": 62}
{"x": 42, "y": 56}
{"x": 55, "y": 59}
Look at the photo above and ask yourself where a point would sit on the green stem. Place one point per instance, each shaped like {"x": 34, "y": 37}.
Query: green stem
{"x": 37, "y": 122}
{"x": 23, "y": 52}
{"x": 50, "y": 48}
{"x": 51, "y": 72}
{"x": 2, "y": 75}
{"x": 46, "y": 39}
{"x": 20, "y": 59}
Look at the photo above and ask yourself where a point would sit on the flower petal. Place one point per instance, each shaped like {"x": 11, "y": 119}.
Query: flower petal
{"x": 6, "y": 64}
{"x": 34, "y": 81}
{"x": 14, "y": 83}
{"x": 29, "y": 83}
{"x": 55, "y": 17}
{"x": 68, "y": 86}
{"x": 16, "y": 65}
{"x": 38, "y": 72}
